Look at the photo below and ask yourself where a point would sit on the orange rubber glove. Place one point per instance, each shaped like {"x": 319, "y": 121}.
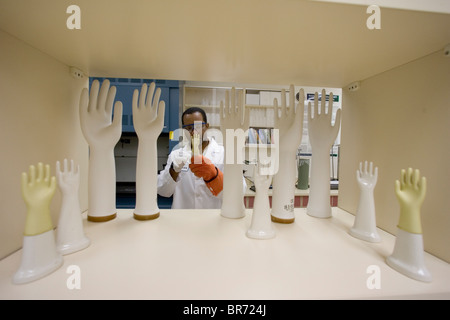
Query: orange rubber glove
{"x": 202, "y": 167}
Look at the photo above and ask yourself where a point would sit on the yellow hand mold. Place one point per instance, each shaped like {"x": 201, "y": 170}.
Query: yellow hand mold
{"x": 410, "y": 192}
{"x": 38, "y": 189}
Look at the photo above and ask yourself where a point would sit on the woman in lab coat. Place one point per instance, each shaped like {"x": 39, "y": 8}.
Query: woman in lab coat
{"x": 195, "y": 183}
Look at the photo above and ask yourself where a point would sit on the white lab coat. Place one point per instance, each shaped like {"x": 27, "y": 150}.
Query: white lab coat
{"x": 189, "y": 191}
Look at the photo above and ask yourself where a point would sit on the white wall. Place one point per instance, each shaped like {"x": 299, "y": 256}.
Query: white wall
{"x": 400, "y": 119}
{"x": 39, "y": 123}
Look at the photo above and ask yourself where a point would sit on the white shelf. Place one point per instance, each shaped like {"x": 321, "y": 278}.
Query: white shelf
{"x": 198, "y": 254}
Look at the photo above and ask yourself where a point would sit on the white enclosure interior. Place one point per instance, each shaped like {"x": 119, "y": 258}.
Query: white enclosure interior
{"x": 398, "y": 118}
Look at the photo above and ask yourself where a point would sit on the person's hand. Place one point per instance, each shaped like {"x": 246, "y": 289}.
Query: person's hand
{"x": 367, "y": 179}
{"x": 179, "y": 159}
{"x": 410, "y": 192}
{"x": 95, "y": 116}
{"x": 38, "y": 189}
{"x": 148, "y": 112}
{"x": 202, "y": 167}
{"x": 321, "y": 133}
{"x": 68, "y": 178}
{"x": 289, "y": 120}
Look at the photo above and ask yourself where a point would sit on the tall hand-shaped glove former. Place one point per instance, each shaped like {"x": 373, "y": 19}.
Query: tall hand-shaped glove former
{"x": 322, "y": 136}
{"x": 365, "y": 227}
{"x": 102, "y": 134}
{"x": 148, "y": 120}
{"x": 234, "y": 119}
{"x": 408, "y": 255}
{"x": 39, "y": 254}
{"x": 69, "y": 234}
{"x": 261, "y": 225}
{"x": 289, "y": 123}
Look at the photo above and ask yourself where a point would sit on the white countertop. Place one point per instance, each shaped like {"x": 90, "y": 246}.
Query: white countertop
{"x": 198, "y": 254}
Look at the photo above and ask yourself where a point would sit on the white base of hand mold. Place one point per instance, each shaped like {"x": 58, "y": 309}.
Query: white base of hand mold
{"x": 231, "y": 207}
{"x": 39, "y": 258}
{"x": 408, "y": 258}
{"x": 260, "y": 234}
{"x": 365, "y": 235}
{"x": 73, "y": 246}
{"x": 323, "y": 214}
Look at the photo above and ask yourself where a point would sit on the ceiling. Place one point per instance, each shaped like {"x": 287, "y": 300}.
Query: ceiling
{"x": 310, "y": 43}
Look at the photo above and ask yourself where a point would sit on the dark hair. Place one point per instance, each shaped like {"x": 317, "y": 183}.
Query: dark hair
{"x": 192, "y": 110}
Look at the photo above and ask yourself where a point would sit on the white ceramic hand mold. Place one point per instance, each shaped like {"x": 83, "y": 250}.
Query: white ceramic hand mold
{"x": 365, "y": 227}
{"x": 261, "y": 225}
{"x": 289, "y": 123}
{"x": 322, "y": 136}
{"x": 233, "y": 116}
{"x": 70, "y": 236}
{"x": 148, "y": 121}
{"x": 102, "y": 133}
